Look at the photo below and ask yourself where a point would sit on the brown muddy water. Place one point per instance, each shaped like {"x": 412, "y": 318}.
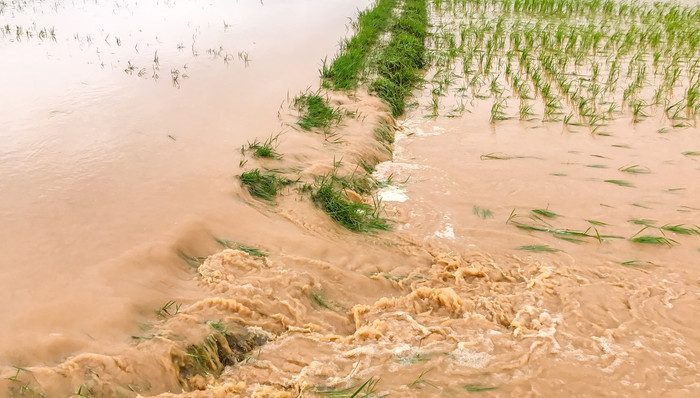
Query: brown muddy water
{"x": 109, "y": 172}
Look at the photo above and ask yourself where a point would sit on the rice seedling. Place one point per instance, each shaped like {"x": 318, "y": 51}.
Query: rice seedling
{"x": 497, "y": 156}
{"x": 412, "y": 359}
{"x": 169, "y": 309}
{"x": 482, "y": 213}
{"x": 18, "y": 369}
{"x": 365, "y": 390}
{"x": 635, "y": 264}
{"x": 538, "y": 248}
{"x": 315, "y": 113}
{"x": 420, "y": 380}
{"x": 84, "y": 391}
{"x": 654, "y": 240}
{"x": 681, "y": 229}
{"x": 635, "y": 169}
{"x": 193, "y": 262}
{"x": 642, "y": 221}
{"x": 545, "y": 213}
{"x": 597, "y": 223}
{"x": 479, "y": 387}
{"x": 264, "y": 184}
{"x": 229, "y": 244}
{"x": 621, "y": 183}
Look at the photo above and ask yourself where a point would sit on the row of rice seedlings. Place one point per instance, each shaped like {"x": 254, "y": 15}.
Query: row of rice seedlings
{"x": 342, "y": 73}
{"x": 403, "y": 57}
{"x": 562, "y": 40}
{"x": 22, "y": 33}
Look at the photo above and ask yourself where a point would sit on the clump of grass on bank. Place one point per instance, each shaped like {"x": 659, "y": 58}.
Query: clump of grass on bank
{"x": 315, "y": 112}
{"x": 328, "y": 194}
{"x": 266, "y": 149}
{"x": 403, "y": 57}
{"x": 342, "y": 73}
{"x": 264, "y": 184}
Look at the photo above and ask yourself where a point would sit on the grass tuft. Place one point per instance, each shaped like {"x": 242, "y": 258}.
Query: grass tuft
{"x": 315, "y": 112}
{"x": 328, "y": 194}
{"x": 264, "y": 184}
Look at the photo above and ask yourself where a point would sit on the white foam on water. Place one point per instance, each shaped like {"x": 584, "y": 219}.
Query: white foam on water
{"x": 392, "y": 193}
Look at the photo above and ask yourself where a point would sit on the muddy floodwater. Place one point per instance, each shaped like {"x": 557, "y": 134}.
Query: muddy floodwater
{"x": 541, "y": 193}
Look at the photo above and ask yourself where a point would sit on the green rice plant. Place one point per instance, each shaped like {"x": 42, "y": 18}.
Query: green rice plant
{"x": 681, "y": 229}
{"x": 365, "y": 390}
{"x": 637, "y": 107}
{"x": 546, "y": 213}
{"x": 229, "y": 244}
{"x": 498, "y": 156}
{"x": 167, "y": 310}
{"x": 642, "y": 221}
{"x": 315, "y": 112}
{"x": 482, "y": 213}
{"x": 621, "y": 183}
{"x": 691, "y": 153}
{"x": 497, "y": 111}
{"x": 654, "y": 240}
{"x": 525, "y": 111}
{"x": 597, "y": 223}
{"x": 477, "y": 387}
{"x": 635, "y": 169}
{"x": 193, "y": 262}
{"x": 635, "y": 264}
{"x": 264, "y": 184}
{"x": 421, "y": 380}
{"x": 538, "y": 248}
{"x": 412, "y": 359}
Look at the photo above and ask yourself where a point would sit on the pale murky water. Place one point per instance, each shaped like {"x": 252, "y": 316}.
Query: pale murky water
{"x": 98, "y": 160}
{"x": 449, "y": 304}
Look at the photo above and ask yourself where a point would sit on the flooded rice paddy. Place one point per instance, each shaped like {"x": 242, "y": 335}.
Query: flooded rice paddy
{"x": 540, "y": 194}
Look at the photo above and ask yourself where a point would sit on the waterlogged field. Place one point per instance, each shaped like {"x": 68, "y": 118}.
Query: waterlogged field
{"x": 487, "y": 197}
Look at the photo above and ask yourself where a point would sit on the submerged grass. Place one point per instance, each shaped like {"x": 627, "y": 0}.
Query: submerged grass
{"x": 653, "y": 240}
{"x": 265, "y": 149}
{"x": 315, "y": 112}
{"x": 229, "y": 244}
{"x": 264, "y": 184}
{"x": 538, "y": 248}
{"x": 356, "y": 216}
{"x": 365, "y": 390}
